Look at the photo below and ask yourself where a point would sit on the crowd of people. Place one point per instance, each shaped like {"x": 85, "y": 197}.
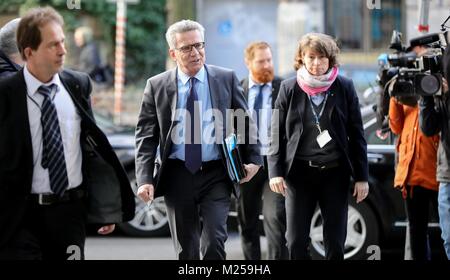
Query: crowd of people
{"x": 58, "y": 171}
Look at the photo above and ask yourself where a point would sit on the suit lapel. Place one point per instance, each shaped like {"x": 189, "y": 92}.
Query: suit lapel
{"x": 172, "y": 93}
{"x": 22, "y": 112}
{"x": 334, "y": 89}
{"x": 214, "y": 90}
{"x": 219, "y": 100}
{"x": 73, "y": 88}
{"x": 302, "y": 99}
{"x": 245, "y": 87}
{"x": 275, "y": 88}
{"x": 169, "y": 113}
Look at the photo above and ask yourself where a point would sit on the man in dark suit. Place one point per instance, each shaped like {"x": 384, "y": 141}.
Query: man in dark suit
{"x": 57, "y": 169}
{"x": 261, "y": 91}
{"x": 187, "y": 111}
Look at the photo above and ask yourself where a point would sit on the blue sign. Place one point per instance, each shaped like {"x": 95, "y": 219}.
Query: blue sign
{"x": 225, "y": 27}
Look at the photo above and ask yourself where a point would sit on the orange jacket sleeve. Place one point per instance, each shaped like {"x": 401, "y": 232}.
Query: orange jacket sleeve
{"x": 396, "y": 116}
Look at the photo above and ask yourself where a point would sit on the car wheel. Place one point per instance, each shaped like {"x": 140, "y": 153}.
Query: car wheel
{"x": 362, "y": 231}
{"x": 148, "y": 220}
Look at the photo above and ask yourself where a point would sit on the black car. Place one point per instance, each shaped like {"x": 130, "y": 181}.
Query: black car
{"x": 380, "y": 220}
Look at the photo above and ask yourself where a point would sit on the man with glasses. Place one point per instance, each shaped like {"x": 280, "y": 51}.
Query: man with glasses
{"x": 186, "y": 112}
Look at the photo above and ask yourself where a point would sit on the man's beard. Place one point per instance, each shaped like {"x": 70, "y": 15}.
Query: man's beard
{"x": 263, "y": 76}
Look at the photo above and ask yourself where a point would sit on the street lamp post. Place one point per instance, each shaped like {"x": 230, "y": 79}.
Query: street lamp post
{"x": 119, "y": 67}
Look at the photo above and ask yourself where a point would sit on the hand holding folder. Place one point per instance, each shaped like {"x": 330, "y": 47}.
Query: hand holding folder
{"x": 235, "y": 167}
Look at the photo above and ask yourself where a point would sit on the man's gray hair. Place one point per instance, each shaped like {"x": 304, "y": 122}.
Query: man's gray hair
{"x": 8, "y": 40}
{"x": 182, "y": 26}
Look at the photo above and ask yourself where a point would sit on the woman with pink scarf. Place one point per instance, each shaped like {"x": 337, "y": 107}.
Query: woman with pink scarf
{"x": 317, "y": 145}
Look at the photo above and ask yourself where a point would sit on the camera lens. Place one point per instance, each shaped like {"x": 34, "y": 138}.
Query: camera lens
{"x": 429, "y": 84}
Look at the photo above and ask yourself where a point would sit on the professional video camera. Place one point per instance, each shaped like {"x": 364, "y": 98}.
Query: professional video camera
{"x": 408, "y": 74}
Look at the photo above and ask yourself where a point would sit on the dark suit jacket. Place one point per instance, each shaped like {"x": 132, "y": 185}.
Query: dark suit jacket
{"x": 275, "y": 88}
{"x": 155, "y": 123}
{"x": 111, "y": 199}
{"x": 345, "y": 127}
{"x": 7, "y": 67}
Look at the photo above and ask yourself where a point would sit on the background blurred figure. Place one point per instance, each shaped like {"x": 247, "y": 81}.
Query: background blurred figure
{"x": 261, "y": 90}
{"x": 415, "y": 174}
{"x": 90, "y": 61}
{"x": 320, "y": 145}
{"x": 10, "y": 59}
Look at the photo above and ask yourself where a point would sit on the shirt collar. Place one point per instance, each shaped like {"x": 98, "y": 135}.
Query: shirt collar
{"x": 252, "y": 83}
{"x": 201, "y": 76}
{"x": 33, "y": 83}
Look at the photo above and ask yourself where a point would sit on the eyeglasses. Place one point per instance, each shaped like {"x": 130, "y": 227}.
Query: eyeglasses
{"x": 187, "y": 49}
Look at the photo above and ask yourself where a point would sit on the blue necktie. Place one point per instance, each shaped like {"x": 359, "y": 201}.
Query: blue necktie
{"x": 192, "y": 132}
{"x": 53, "y": 149}
{"x": 258, "y": 103}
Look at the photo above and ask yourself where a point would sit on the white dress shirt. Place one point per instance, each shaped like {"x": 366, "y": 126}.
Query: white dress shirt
{"x": 69, "y": 123}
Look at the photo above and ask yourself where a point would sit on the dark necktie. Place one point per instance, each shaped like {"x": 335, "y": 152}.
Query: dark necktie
{"x": 192, "y": 132}
{"x": 258, "y": 103}
{"x": 53, "y": 149}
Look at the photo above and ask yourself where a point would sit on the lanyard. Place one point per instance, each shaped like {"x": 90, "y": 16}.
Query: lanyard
{"x": 52, "y": 95}
{"x": 317, "y": 117}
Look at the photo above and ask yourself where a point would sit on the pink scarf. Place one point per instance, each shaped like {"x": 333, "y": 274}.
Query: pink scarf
{"x": 314, "y": 85}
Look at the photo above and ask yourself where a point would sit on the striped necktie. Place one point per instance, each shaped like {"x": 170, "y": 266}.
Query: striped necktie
{"x": 53, "y": 149}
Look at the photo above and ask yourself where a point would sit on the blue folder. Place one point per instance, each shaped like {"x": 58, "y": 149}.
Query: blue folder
{"x": 235, "y": 167}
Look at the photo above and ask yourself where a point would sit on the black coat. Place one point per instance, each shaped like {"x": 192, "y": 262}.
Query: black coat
{"x": 111, "y": 199}
{"x": 7, "y": 67}
{"x": 346, "y": 127}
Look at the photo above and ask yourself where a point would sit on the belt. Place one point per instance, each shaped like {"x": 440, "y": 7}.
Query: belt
{"x": 321, "y": 165}
{"x": 206, "y": 165}
{"x": 49, "y": 198}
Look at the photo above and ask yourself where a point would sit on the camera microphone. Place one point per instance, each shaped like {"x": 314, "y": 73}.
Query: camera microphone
{"x": 424, "y": 40}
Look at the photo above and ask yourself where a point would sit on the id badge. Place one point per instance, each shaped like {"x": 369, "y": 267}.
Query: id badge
{"x": 323, "y": 138}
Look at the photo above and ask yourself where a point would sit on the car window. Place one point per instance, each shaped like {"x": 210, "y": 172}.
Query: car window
{"x": 107, "y": 125}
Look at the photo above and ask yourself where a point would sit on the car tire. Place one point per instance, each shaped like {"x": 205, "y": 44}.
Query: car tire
{"x": 362, "y": 232}
{"x": 149, "y": 221}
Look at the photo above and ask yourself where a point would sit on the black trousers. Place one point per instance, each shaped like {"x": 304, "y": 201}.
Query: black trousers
{"x": 417, "y": 208}
{"x": 197, "y": 207}
{"x": 249, "y": 207}
{"x": 307, "y": 187}
{"x": 51, "y": 232}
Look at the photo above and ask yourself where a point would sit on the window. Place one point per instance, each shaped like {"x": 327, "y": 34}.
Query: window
{"x": 359, "y": 28}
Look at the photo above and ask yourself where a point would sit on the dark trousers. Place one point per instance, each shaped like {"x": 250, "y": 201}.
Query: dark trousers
{"x": 417, "y": 208}
{"x": 308, "y": 186}
{"x": 53, "y": 232}
{"x": 197, "y": 207}
{"x": 249, "y": 207}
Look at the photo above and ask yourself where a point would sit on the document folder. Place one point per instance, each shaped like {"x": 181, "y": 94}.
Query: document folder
{"x": 235, "y": 167}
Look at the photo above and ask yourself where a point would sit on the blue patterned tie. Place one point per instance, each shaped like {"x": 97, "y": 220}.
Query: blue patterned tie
{"x": 258, "y": 103}
{"x": 53, "y": 149}
{"x": 193, "y": 151}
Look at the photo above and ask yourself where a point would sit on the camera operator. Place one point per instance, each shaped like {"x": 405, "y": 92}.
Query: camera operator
{"x": 435, "y": 118}
{"x": 416, "y": 168}
{"x": 382, "y": 106}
